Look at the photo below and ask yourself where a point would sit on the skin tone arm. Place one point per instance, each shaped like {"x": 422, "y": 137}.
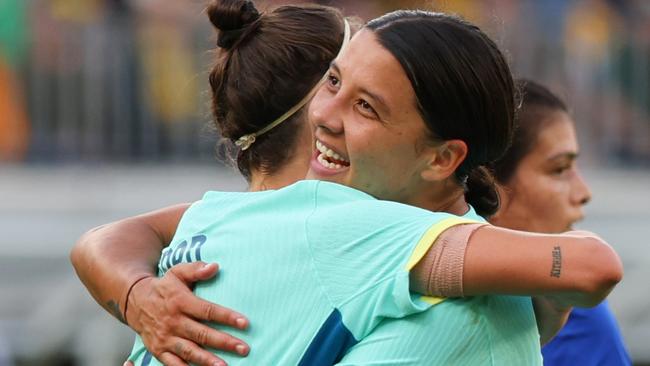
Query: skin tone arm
{"x": 106, "y": 271}
{"x": 572, "y": 269}
{"x": 504, "y": 261}
{"x": 119, "y": 261}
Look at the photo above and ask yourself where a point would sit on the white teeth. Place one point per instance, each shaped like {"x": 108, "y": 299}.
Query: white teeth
{"x": 321, "y": 159}
{"x": 329, "y": 152}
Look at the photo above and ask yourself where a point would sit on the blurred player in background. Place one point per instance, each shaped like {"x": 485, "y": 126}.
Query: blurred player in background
{"x": 542, "y": 190}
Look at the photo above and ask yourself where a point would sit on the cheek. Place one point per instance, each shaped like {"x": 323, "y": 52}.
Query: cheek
{"x": 381, "y": 169}
{"x": 543, "y": 200}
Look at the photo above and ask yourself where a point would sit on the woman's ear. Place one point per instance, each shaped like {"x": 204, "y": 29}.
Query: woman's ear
{"x": 445, "y": 159}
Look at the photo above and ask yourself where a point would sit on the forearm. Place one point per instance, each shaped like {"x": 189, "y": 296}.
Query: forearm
{"x": 110, "y": 258}
{"x": 577, "y": 269}
{"x": 550, "y": 317}
{"x": 107, "y": 263}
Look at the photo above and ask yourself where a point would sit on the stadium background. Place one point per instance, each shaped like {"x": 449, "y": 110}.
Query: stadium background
{"x": 103, "y": 114}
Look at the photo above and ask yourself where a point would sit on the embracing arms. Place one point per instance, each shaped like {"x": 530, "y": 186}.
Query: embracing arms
{"x": 574, "y": 269}
{"x": 117, "y": 263}
{"x": 109, "y": 259}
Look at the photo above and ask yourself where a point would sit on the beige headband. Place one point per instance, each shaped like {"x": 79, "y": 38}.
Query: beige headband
{"x": 246, "y": 141}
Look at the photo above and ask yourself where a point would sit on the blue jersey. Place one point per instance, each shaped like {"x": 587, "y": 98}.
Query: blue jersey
{"x": 590, "y": 337}
{"x": 315, "y": 266}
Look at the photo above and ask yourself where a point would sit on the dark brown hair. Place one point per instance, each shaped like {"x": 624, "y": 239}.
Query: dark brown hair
{"x": 538, "y": 104}
{"x": 463, "y": 86}
{"x": 266, "y": 64}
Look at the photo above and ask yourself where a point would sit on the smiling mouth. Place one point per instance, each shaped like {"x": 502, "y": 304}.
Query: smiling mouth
{"x": 328, "y": 158}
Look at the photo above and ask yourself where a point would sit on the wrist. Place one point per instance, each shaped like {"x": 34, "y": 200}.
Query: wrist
{"x": 128, "y": 293}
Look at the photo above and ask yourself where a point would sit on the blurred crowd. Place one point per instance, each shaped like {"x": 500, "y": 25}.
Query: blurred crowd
{"x": 126, "y": 80}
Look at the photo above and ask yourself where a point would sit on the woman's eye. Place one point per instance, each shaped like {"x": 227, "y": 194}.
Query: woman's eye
{"x": 365, "y": 105}
{"x": 367, "y": 109}
{"x": 332, "y": 80}
{"x": 560, "y": 170}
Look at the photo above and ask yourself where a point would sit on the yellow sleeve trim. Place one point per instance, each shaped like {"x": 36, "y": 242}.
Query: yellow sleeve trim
{"x": 433, "y": 300}
{"x": 427, "y": 241}
{"x": 430, "y": 237}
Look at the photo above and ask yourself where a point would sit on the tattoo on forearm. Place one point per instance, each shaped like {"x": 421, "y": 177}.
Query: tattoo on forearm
{"x": 114, "y": 309}
{"x": 556, "y": 269}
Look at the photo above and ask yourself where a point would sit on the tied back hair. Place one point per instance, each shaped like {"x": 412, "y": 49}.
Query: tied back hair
{"x": 537, "y": 108}
{"x": 266, "y": 64}
{"x": 464, "y": 90}
{"x": 233, "y": 19}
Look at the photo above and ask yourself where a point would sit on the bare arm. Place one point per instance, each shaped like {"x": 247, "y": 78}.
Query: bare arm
{"x": 110, "y": 258}
{"x": 550, "y": 316}
{"x": 561, "y": 271}
{"x": 576, "y": 268}
{"x": 117, "y": 263}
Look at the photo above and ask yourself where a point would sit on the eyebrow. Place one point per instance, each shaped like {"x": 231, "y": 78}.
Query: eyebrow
{"x": 567, "y": 155}
{"x": 377, "y": 98}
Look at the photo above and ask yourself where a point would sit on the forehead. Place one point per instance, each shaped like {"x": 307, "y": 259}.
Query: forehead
{"x": 367, "y": 64}
{"x": 557, "y": 136}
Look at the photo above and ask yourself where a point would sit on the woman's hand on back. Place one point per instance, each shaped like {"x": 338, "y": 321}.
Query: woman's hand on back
{"x": 171, "y": 319}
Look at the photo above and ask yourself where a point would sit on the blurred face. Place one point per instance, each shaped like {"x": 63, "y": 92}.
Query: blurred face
{"x": 368, "y": 132}
{"x": 547, "y": 193}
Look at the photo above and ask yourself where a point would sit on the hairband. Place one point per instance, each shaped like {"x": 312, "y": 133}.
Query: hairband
{"x": 246, "y": 141}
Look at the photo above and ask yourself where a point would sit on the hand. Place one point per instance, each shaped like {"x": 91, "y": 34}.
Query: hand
{"x": 168, "y": 317}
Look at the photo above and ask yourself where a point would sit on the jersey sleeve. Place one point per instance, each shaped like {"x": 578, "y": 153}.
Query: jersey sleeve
{"x": 363, "y": 250}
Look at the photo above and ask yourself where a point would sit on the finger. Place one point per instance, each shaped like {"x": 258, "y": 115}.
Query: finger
{"x": 185, "y": 352}
{"x": 170, "y": 359}
{"x": 206, "y": 336}
{"x": 205, "y": 310}
{"x": 195, "y": 271}
{"x": 128, "y": 363}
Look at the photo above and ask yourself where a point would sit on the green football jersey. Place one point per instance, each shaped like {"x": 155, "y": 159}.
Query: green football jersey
{"x": 480, "y": 330}
{"x": 315, "y": 266}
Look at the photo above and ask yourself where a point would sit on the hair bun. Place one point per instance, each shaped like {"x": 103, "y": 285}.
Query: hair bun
{"x": 232, "y": 18}
{"x": 482, "y": 192}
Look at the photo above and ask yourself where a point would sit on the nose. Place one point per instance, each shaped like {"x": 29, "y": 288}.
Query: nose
{"x": 581, "y": 191}
{"x": 325, "y": 113}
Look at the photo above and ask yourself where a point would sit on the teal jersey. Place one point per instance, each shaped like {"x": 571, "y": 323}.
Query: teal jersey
{"x": 480, "y": 330}
{"x": 315, "y": 266}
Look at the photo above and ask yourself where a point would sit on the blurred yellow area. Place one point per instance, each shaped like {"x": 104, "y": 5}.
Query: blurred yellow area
{"x": 76, "y": 11}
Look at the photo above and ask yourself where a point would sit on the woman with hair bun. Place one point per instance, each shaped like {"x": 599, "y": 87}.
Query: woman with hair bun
{"x": 323, "y": 265}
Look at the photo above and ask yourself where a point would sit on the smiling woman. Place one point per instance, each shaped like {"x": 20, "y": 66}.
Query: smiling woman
{"x": 447, "y": 116}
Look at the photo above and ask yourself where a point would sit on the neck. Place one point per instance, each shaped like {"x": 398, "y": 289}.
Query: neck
{"x": 446, "y": 197}
{"x": 290, "y": 173}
